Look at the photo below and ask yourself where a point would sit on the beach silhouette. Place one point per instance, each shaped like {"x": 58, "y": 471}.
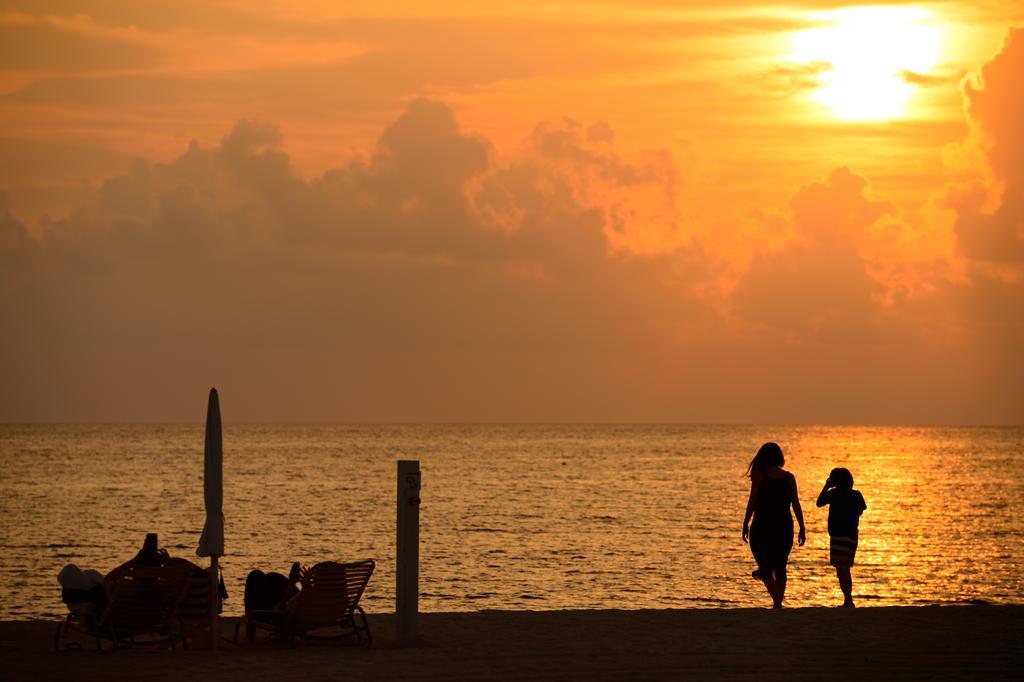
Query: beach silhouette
{"x": 499, "y": 300}
{"x": 845, "y": 508}
{"x": 773, "y": 492}
{"x": 509, "y": 548}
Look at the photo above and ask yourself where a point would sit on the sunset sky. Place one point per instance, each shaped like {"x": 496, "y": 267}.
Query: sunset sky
{"x": 579, "y": 211}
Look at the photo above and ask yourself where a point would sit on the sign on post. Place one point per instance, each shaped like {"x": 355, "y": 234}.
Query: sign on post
{"x": 407, "y": 552}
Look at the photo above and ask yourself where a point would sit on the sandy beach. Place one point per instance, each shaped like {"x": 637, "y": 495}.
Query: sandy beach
{"x": 951, "y": 642}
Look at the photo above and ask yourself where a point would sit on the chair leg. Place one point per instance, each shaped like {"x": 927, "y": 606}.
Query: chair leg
{"x": 366, "y": 627}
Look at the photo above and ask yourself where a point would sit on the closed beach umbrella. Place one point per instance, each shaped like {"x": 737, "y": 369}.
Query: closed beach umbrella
{"x": 211, "y": 543}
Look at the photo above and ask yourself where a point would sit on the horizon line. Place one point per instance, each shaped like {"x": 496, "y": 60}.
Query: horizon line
{"x": 993, "y": 425}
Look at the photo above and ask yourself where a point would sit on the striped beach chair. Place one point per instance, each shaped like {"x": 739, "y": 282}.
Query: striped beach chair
{"x": 194, "y": 610}
{"x": 327, "y": 607}
{"x": 142, "y": 609}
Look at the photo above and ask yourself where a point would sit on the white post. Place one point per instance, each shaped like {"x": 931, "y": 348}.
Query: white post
{"x": 407, "y": 552}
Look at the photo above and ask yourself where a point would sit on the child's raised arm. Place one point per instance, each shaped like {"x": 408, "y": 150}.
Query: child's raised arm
{"x": 823, "y": 495}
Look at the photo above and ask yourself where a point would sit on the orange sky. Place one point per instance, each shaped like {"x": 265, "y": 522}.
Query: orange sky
{"x": 598, "y": 211}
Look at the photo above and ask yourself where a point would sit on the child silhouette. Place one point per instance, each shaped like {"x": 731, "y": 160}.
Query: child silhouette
{"x": 845, "y": 505}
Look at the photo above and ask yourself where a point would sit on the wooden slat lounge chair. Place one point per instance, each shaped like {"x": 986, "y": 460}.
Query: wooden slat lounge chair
{"x": 329, "y": 600}
{"x": 144, "y": 602}
{"x": 194, "y": 610}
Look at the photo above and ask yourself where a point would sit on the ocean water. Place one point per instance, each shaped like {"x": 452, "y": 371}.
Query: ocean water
{"x": 520, "y": 517}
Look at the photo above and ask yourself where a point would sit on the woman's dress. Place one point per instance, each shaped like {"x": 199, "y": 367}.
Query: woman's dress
{"x": 771, "y": 532}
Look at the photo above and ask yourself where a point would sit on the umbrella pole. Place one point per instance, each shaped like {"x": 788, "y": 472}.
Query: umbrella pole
{"x": 214, "y": 596}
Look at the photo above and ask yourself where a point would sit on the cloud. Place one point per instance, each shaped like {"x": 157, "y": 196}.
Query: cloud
{"x": 986, "y": 195}
{"x": 926, "y": 80}
{"x": 640, "y": 199}
{"x": 389, "y": 276}
{"x": 790, "y": 79}
{"x": 987, "y": 198}
{"x": 851, "y": 300}
{"x": 355, "y": 64}
{"x": 47, "y": 44}
{"x": 17, "y": 248}
{"x": 930, "y": 297}
{"x": 435, "y": 279}
{"x": 990, "y": 207}
{"x": 818, "y": 283}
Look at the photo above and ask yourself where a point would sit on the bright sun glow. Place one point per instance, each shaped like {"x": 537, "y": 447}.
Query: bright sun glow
{"x": 870, "y": 55}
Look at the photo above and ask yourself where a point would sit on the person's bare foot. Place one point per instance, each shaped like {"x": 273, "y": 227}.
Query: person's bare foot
{"x": 848, "y": 604}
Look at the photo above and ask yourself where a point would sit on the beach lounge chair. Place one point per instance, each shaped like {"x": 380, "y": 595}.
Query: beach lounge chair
{"x": 194, "y": 609}
{"x": 327, "y": 607}
{"x": 142, "y": 604}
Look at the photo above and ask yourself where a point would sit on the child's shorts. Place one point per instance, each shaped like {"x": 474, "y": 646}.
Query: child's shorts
{"x": 842, "y": 550}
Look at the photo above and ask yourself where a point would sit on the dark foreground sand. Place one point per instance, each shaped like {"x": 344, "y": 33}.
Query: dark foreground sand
{"x": 952, "y": 642}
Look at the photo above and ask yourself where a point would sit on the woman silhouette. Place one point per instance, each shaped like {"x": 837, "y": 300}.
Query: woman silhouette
{"x": 772, "y": 492}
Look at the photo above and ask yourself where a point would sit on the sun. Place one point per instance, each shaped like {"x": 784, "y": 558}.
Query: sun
{"x": 869, "y": 56}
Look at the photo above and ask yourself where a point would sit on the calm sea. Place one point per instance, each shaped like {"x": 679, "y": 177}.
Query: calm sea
{"x": 520, "y": 517}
